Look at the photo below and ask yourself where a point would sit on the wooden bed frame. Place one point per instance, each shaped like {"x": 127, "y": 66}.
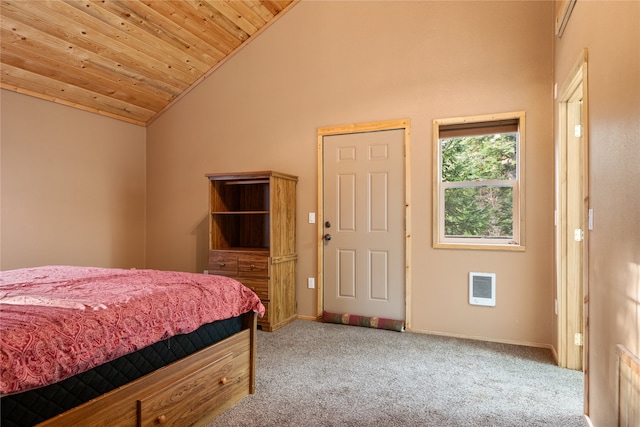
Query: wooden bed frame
{"x": 191, "y": 391}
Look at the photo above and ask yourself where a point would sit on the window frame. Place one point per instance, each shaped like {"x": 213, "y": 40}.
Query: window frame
{"x": 439, "y": 238}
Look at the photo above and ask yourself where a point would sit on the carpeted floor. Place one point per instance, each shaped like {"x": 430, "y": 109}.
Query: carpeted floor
{"x": 316, "y": 374}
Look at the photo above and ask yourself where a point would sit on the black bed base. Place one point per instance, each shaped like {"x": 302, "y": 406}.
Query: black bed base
{"x": 34, "y": 406}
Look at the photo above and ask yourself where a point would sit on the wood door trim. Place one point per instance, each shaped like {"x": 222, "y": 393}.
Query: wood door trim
{"x": 404, "y": 124}
{"x": 576, "y": 78}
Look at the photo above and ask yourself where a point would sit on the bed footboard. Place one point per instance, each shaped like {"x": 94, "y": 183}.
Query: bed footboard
{"x": 191, "y": 391}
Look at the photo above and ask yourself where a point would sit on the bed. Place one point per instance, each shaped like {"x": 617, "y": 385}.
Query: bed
{"x": 114, "y": 347}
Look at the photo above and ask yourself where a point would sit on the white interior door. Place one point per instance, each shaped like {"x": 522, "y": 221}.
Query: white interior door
{"x": 363, "y": 220}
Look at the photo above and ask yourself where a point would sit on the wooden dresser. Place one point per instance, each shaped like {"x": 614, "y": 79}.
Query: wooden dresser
{"x": 252, "y": 225}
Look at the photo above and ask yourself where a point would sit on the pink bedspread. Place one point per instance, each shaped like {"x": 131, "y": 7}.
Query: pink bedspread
{"x": 58, "y": 321}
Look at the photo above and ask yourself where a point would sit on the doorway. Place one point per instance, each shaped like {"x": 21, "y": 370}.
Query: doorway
{"x": 573, "y": 223}
{"x": 364, "y": 220}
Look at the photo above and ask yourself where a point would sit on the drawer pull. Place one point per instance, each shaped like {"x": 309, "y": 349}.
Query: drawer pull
{"x": 161, "y": 419}
{"x": 221, "y": 264}
{"x": 223, "y": 380}
{"x": 253, "y": 267}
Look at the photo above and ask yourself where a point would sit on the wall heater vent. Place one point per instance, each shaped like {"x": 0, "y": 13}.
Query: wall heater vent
{"x": 482, "y": 289}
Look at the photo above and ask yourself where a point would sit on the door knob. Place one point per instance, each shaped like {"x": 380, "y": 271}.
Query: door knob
{"x": 327, "y": 237}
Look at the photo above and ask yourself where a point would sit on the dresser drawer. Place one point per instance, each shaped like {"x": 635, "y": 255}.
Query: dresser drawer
{"x": 259, "y": 286}
{"x": 255, "y": 265}
{"x": 180, "y": 403}
{"x": 223, "y": 263}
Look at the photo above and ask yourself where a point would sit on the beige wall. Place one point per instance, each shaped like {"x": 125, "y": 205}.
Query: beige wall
{"x": 610, "y": 30}
{"x": 72, "y": 189}
{"x": 335, "y": 63}
{"x": 73, "y": 183}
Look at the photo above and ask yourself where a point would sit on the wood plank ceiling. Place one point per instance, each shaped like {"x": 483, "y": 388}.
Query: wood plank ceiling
{"x": 126, "y": 59}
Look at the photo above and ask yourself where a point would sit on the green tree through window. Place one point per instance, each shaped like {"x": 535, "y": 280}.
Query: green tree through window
{"x": 482, "y": 209}
{"x": 478, "y": 197}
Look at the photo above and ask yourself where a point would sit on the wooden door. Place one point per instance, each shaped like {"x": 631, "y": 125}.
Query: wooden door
{"x": 574, "y": 233}
{"x": 573, "y": 224}
{"x": 363, "y": 228}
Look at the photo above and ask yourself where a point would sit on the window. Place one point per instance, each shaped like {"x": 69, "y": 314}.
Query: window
{"x": 478, "y": 197}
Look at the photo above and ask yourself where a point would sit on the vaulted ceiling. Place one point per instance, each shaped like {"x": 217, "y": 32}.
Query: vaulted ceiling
{"x": 126, "y": 59}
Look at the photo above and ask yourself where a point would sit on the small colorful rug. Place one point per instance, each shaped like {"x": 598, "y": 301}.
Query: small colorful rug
{"x": 367, "y": 322}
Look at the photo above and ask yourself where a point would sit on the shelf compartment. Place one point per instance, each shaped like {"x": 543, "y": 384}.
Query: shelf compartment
{"x": 239, "y": 231}
{"x": 240, "y": 196}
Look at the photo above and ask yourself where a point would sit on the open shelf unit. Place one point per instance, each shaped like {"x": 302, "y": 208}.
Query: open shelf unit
{"x": 252, "y": 237}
